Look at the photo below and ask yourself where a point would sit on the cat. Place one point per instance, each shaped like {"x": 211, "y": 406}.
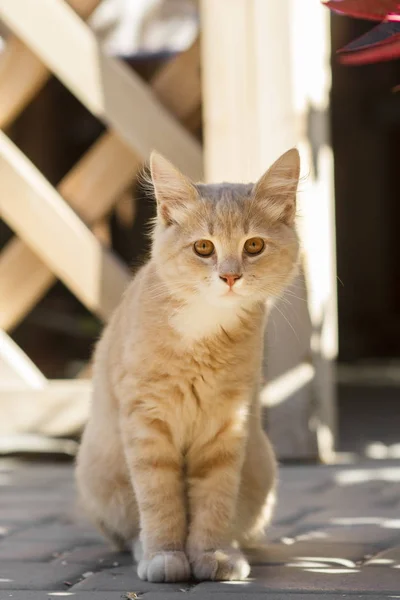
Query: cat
{"x": 174, "y": 459}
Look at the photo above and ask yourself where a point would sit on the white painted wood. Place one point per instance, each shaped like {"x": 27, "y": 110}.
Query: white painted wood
{"x": 26, "y": 443}
{"x": 261, "y": 70}
{"x": 24, "y": 279}
{"x": 229, "y": 92}
{"x": 106, "y": 86}
{"x": 41, "y": 218}
{"x": 59, "y": 409}
{"x": 92, "y": 187}
{"x": 16, "y": 369}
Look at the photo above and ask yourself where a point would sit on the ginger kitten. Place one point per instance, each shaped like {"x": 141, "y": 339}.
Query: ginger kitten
{"x": 174, "y": 458}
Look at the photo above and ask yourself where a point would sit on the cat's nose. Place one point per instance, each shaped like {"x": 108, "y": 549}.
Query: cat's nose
{"x": 230, "y": 278}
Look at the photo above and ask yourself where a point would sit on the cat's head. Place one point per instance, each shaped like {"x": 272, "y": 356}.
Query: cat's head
{"x": 227, "y": 243}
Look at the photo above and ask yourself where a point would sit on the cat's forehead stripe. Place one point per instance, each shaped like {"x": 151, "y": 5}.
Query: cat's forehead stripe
{"x": 227, "y": 191}
{"x": 225, "y": 205}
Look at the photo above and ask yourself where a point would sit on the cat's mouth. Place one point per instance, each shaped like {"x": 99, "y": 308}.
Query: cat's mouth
{"x": 231, "y": 293}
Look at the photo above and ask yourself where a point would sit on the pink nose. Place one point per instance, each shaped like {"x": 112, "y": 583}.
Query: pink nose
{"x": 230, "y": 279}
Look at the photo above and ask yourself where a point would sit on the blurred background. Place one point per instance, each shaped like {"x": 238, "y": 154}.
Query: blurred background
{"x": 87, "y": 89}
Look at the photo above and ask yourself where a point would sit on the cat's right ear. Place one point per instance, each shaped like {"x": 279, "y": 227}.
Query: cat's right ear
{"x": 276, "y": 189}
{"x": 175, "y": 193}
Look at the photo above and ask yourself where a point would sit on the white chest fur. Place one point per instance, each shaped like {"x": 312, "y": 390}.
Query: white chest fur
{"x": 200, "y": 319}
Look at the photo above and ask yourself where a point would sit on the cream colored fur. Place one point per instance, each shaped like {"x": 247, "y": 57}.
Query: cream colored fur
{"x": 174, "y": 455}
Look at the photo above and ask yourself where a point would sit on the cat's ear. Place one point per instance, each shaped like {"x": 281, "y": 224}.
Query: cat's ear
{"x": 175, "y": 193}
{"x": 277, "y": 188}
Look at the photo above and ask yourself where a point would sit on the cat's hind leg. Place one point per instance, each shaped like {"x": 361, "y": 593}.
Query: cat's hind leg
{"x": 117, "y": 541}
{"x": 257, "y": 492}
{"x": 104, "y": 486}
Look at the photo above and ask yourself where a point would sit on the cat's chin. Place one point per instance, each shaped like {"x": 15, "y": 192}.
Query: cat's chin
{"x": 230, "y": 299}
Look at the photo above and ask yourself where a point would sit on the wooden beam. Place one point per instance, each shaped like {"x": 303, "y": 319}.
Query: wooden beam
{"x": 22, "y": 73}
{"x": 91, "y": 188}
{"x": 106, "y": 86}
{"x": 84, "y": 8}
{"x": 100, "y": 177}
{"x": 16, "y": 369}
{"x": 60, "y": 409}
{"x": 24, "y": 280}
{"x": 125, "y": 210}
{"x": 101, "y": 229}
{"x": 178, "y": 85}
{"x": 39, "y": 215}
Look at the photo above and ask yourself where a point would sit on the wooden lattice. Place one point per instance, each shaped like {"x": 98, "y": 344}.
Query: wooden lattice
{"x": 52, "y": 226}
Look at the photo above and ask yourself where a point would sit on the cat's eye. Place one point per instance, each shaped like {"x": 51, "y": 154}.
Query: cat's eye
{"x": 204, "y": 248}
{"x": 254, "y": 245}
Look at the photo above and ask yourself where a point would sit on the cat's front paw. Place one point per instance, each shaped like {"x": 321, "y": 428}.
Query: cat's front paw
{"x": 164, "y": 567}
{"x": 219, "y": 565}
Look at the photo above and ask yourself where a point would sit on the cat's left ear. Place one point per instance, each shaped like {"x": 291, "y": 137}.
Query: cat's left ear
{"x": 277, "y": 188}
{"x": 175, "y": 193}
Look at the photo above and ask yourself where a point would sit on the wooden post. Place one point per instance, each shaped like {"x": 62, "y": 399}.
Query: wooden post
{"x": 265, "y": 89}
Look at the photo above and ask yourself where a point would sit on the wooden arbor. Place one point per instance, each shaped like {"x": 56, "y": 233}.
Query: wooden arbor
{"x": 241, "y": 138}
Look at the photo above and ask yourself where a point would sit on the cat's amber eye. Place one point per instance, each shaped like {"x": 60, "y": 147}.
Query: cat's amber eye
{"x": 204, "y": 248}
{"x": 254, "y": 245}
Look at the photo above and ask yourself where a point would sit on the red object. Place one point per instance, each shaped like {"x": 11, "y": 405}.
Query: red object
{"x": 379, "y": 44}
{"x": 374, "y": 10}
{"x": 372, "y": 55}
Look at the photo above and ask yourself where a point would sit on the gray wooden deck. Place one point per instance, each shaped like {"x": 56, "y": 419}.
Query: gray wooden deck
{"x": 336, "y": 533}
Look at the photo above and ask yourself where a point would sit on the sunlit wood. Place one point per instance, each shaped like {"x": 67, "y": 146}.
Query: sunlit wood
{"x": 106, "y": 86}
{"x": 91, "y": 187}
{"x": 41, "y": 218}
{"x": 59, "y": 409}
{"x": 16, "y": 369}
{"x": 22, "y": 73}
